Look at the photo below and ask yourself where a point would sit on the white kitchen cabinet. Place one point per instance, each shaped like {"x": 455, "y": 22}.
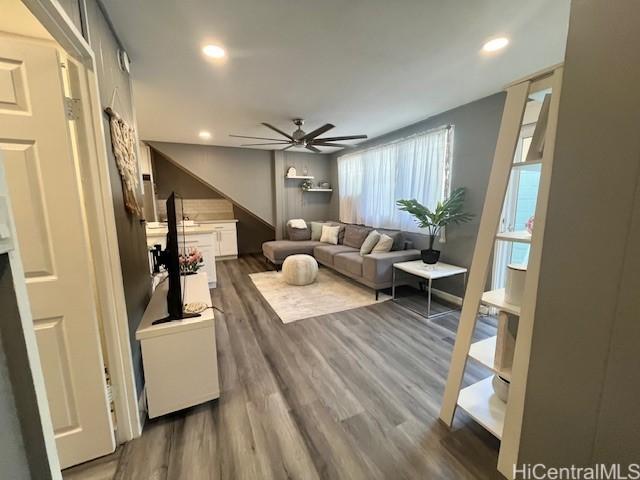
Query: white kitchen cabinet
{"x": 205, "y": 240}
{"x": 226, "y": 239}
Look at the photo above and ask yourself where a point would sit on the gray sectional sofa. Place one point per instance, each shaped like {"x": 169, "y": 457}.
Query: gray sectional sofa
{"x": 373, "y": 270}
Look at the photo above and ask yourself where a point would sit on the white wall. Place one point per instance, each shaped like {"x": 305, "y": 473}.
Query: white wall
{"x": 581, "y": 402}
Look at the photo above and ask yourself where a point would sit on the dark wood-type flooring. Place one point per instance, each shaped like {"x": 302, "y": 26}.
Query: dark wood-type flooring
{"x": 352, "y": 395}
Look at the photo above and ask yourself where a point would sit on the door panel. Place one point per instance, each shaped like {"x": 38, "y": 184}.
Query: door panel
{"x": 44, "y": 185}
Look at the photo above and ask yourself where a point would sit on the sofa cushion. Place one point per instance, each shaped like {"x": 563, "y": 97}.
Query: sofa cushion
{"x": 330, "y": 234}
{"x": 354, "y": 235}
{"x": 316, "y": 230}
{"x": 341, "y": 233}
{"x": 398, "y": 238}
{"x": 370, "y": 242}
{"x": 278, "y": 250}
{"x": 325, "y": 253}
{"x": 385, "y": 244}
{"x": 349, "y": 262}
{"x": 298, "y": 234}
{"x": 377, "y": 267}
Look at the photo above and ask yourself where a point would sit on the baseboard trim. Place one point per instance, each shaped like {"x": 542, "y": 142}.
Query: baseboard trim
{"x": 454, "y": 299}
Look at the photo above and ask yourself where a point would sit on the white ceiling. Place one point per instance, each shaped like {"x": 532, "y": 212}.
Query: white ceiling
{"x": 367, "y": 66}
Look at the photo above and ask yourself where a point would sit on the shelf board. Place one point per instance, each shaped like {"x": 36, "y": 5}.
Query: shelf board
{"x": 495, "y": 298}
{"x": 521, "y": 236}
{"x": 484, "y": 352}
{"x": 524, "y": 164}
{"x": 319, "y": 190}
{"x": 484, "y": 406}
{"x": 299, "y": 177}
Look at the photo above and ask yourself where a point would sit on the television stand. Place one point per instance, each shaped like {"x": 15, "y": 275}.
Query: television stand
{"x": 179, "y": 357}
{"x": 174, "y": 319}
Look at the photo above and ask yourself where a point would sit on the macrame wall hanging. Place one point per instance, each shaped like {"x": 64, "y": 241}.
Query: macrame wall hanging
{"x": 123, "y": 142}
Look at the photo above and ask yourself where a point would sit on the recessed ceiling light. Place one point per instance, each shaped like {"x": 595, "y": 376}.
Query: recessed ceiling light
{"x": 213, "y": 51}
{"x": 495, "y": 44}
{"x": 204, "y": 135}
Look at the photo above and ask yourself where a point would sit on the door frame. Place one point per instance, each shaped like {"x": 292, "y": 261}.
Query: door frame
{"x": 100, "y": 216}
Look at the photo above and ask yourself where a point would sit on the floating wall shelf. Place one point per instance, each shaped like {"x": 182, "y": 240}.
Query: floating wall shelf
{"x": 299, "y": 177}
{"x": 319, "y": 190}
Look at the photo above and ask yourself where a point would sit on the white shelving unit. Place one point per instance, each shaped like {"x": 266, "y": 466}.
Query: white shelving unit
{"x": 504, "y": 420}
{"x": 482, "y": 404}
{"x": 484, "y": 352}
{"x": 495, "y": 298}
{"x": 520, "y": 236}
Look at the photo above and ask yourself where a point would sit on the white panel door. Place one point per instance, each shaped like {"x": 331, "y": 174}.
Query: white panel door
{"x": 44, "y": 185}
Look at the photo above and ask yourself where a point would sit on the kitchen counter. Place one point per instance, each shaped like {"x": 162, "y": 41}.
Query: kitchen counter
{"x": 206, "y": 226}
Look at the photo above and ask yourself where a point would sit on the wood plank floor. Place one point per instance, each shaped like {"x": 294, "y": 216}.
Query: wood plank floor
{"x": 352, "y": 395}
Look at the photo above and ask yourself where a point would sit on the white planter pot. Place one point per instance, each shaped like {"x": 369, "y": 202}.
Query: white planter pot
{"x": 515, "y": 283}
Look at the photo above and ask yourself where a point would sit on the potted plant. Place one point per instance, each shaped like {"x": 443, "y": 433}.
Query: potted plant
{"x": 191, "y": 262}
{"x": 445, "y": 213}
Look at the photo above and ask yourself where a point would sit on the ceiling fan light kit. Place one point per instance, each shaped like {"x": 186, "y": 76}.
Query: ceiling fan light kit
{"x": 301, "y": 139}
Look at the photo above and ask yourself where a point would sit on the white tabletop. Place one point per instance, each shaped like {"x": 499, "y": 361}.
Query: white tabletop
{"x": 197, "y": 290}
{"x": 421, "y": 269}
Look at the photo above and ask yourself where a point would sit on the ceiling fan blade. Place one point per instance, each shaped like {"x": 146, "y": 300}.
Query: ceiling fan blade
{"x": 277, "y": 130}
{"x": 312, "y": 148}
{"x": 256, "y": 144}
{"x": 287, "y": 148}
{"x": 330, "y": 144}
{"x": 318, "y": 131}
{"x": 337, "y": 139}
{"x": 257, "y": 138}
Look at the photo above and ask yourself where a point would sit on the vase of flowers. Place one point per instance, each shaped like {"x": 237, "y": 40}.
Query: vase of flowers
{"x": 191, "y": 261}
{"x": 447, "y": 212}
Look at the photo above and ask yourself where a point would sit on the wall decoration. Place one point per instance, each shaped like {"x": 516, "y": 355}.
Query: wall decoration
{"x": 291, "y": 172}
{"x": 123, "y": 142}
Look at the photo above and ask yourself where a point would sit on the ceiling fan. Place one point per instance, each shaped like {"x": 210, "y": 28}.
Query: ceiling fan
{"x": 299, "y": 138}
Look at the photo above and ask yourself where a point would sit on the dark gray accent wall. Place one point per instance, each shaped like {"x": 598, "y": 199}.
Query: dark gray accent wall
{"x": 169, "y": 177}
{"x": 131, "y": 231}
{"x": 307, "y": 205}
{"x": 476, "y": 126}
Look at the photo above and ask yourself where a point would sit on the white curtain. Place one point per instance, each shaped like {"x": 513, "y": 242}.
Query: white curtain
{"x": 371, "y": 181}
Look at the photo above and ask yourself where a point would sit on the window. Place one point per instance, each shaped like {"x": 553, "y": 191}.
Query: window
{"x": 372, "y": 180}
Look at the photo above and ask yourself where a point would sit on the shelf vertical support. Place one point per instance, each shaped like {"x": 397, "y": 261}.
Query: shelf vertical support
{"x": 509, "y": 132}
{"x": 510, "y": 446}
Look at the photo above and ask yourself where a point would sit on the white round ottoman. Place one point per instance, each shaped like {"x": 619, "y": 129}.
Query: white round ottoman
{"x": 299, "y": 269}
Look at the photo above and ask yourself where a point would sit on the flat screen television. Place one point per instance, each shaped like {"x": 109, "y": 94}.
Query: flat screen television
{"x": 170, "y": 258}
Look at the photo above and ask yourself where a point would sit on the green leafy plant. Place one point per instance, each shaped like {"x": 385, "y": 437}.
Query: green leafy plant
{"x": 448, "y": 212}
{"x": 306, "y": 185}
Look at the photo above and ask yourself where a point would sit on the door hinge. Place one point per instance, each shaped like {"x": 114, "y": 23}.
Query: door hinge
{"x": 72, "y": 108}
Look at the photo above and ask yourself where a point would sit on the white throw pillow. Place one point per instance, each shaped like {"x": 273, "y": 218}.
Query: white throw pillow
{"x": 369, "y": 243}
{"x": 384, "y": 244}
{"x": 330, "y": 234}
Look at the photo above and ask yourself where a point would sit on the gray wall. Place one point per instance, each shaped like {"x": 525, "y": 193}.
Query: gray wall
{"x": 242, "y": 175}
{"x": 131, "y": 231}
{"x": 476, "y": 128}
{"x": 168, "y": 177}
{"x": 581, "y": 404}
{"x": 309, "y": 205}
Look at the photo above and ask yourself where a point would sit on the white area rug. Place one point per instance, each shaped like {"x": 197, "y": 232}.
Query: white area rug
{"x": 330, "y": 293}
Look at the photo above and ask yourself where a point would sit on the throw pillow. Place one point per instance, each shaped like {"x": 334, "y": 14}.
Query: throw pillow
{"x": 298, "y": 234}
{"x": 316, "y": 230}
{"x": 384, "y": 244}
{"x": 340, "y": 233}
{"x": 354, "y": 235}
{"x": 369, "y": 243}
{"x": 398, "y": 239}
{"x": 330, "y": 234}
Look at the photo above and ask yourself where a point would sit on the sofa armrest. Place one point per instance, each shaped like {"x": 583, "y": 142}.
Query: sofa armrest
{"x": 377, "y": 267}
